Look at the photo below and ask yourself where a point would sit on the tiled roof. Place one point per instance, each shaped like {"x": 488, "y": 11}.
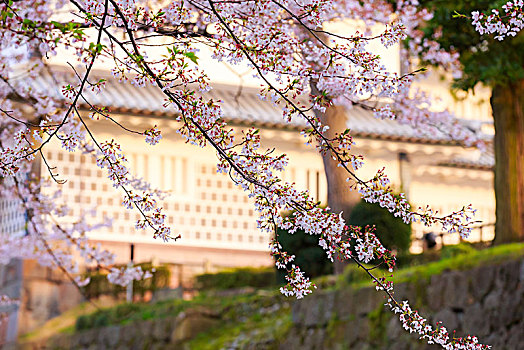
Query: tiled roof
{"x": 485, "y": 161}
{"x": 241, "y": 105}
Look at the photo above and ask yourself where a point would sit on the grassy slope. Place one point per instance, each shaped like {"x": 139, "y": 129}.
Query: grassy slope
{"x": 65, "y": 323}
{"x": 490, "y": 256}
{"x": 255, "y": 324}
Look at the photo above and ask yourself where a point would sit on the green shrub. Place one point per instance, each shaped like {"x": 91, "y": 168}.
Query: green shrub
{"x": 391, "y": 230}
{"x": 123, "y": 311}
{"x": 236, "y": 278}
{"x": 308, "y": 254}
{"x": 83, "y": 322}
{"x": 405, "y": 259}
{"x": 101, "y": 320}
{"x": 450, "y": 251}
{"x": 354, "y": 274}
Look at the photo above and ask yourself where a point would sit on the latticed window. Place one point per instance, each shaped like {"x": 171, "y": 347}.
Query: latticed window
{"x": 12, "y": 217}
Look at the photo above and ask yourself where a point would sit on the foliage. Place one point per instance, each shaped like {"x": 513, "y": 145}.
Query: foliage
{"x": 99, "y": 284}
{"x": 377, "y": 324}
{"x": 353, "y": 274}
{"x": 106, "y": 317}
{"x": 392, "y": 231}
{"x": 256, "y": 327}
{"x": 450, "y": 251}
{"x": 408, "y": 259}
{"x": 484, "y": 58}
{"x": 229, "y": 307}
{"x": 239, "y": 277}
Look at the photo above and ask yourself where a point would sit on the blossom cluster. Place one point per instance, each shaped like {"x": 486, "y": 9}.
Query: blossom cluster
{"x": 414, "y": 323}
{"x": 414, "y": 109}
{"x": 124, "y": 276}
{"x": 504, "y": 25}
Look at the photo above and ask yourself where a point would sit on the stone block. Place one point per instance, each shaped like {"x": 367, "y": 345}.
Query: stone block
{"x": 128, "y": 335}
{"x": 162, "y": 328}
{"x": 448, "y": 318}
{"x": 293, "y": 340}
{"x": 394, "y": 328}
{"x": 367, "y": 300}
{"x": 481, "y": 281}
{"x": 405, "y": 291}
{"x": 515, "y": 337}
{"x": 319, "y": 309}
{"x": 62, "y": 342}
{"x": 511, "y": 307}
{"x": 109, "y": 336}
{"x": 435, "y": 295}
{"x": 297, "y": 313}
{"x": 491, "y": 301}
{"x": 344, "y": 307}
{"x": 521, "y": 271}
{"x": 85, "y": 338}
{"x": 507, "y": 275}
{"x": 145, "y": 328}
{"x": 456, "y": 290}
{"x": 475, "y": 321}
{"x": 315, "y": 310}
{"x": 189, "y": 325}
{"x": 498, "y": 340}
{"x": 314, "y": 339}
{"x": 352, "y": 331}
{"x": 166, "y": 294}
{"x": 68, "y": 296}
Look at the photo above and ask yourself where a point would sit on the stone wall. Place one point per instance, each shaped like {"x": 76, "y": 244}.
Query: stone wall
{"x": 10, "y": 285}
{"x": 46, "y": 293}
{"x": 487, "y": 301}
{"x": 165, "y": 333}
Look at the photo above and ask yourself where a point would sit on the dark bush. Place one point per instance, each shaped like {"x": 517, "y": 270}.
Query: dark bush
{"x": 236, "y": 278}
{"x": 354, "y": 274}
{"x": 101, "y": 320}
{"x": 83, "y": 322}
{"x": 405, "y": 259}
{"x": 450, "y": 251}
{"x": 104, "y": 317}
{"x": 308, "y": 254}
{"x": 124, "y": 311}
{"x": 392, "y": 231}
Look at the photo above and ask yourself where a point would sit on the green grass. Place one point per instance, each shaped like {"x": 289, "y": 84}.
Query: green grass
{"x": 258, "y": 277}
{"x": 127, "y": 313}
{"x": 492, "y": 256}
{"x": 65, "y": 323}
{"x": 272, "y": 326}
{"x": 246, "y": 307}
{"x": 356, "y": 277}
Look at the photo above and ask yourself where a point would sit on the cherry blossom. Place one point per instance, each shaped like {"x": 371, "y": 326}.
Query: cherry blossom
{"x": 507, "y": 24}
{"x": 302, "y": 68}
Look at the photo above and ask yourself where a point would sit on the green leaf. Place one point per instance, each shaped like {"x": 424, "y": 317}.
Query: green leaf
{"x": 191, "y": 56}
{"x": 458, "y": 15}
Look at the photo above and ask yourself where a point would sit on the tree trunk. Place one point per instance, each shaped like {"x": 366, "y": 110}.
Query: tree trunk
{"x": 340, "y": 198}
{"x": 507, "y": 103}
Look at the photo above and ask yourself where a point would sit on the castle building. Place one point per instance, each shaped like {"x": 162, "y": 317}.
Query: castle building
{"x": 216, "y": 220}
